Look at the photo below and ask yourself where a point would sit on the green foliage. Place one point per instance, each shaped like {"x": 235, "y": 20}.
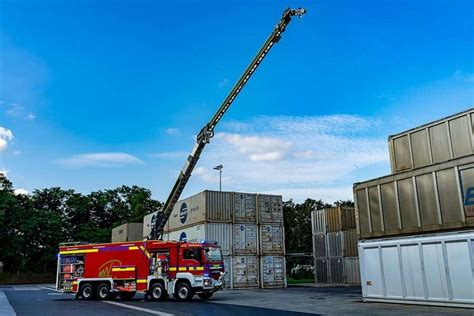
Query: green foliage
{"x": 34, "y": 225}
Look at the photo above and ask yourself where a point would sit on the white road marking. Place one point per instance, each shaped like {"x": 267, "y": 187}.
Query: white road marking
{"x": 5, "y": 308}
{"x": 141, "y": 309}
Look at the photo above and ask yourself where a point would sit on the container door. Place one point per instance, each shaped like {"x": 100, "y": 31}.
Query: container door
{"x": 372, "y": 272}
{"x": 245, "y": 239}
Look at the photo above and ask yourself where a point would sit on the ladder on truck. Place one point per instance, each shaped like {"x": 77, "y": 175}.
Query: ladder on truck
{"x": 207, "y": 132}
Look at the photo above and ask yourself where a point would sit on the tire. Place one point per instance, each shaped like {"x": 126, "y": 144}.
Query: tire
{"x": 103, "y": 291}
{"x": 184, "y": 292}
{"x": 126, "y": 296}
{"x": 87, "y": 291}
{"x": 205, "y": 295}
{"x": 157, "y": 292}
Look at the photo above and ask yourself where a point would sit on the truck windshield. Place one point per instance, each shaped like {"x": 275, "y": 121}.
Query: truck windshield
{"x": 213, "y": 254}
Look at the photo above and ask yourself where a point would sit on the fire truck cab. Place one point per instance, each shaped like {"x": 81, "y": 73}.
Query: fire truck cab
{"x": 155, "y": 268}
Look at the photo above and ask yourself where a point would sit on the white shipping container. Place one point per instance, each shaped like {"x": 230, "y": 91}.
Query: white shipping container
{"x": 272, "y": 239}
{"x": 207, "y": 206}
{"x": 245, "y": 239}
{"x": 270, "y": 208}
{"x": 318, "y": 222}
{"x": 351, "y": 270}
{"x": 148, "y": 223}
{"x": 272, "y": 271}
{"x": 228, "y": 271}
{"x": 425, "y": 269}
{"x": 220, "y": 232}
{"x": 244, "y": 207}
{"x": 245, "y": 272}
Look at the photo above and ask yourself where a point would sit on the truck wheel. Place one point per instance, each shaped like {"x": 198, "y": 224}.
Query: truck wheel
{"x": 126, "y": 296}
{"x": 184, "y": 292}
{"x": 87, "y": 291}
{"x": 205, "y": 295}
{"x": 103, "y": 291}
{"x": 157, "y": 292}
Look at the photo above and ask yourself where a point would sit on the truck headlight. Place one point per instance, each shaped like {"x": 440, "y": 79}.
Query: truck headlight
{"x": 207, "y": 282}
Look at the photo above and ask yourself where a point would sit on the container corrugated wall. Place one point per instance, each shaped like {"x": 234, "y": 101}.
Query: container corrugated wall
{"x": 245, "y": 205}
{"x": 269, "y": 209}
{"x": 340, "y": 218}
{"x": 148, "y": 223}
{"x": 319, "y": 245}
{"x": 245, "y": 272}
{"x": 321, "y": 270}
{"x": 245, "y": 239}
{"x": 425, "y": 269}
{"x": 342, "y": 244}
{"x": 318, "y": 222}
{"x": 435, "y": 142}
{"x": 351, "y": 270}
{"x": 272, "y": 271}
{"x": 128, "y": 232}
{"x": 336, "y": 270}
{"x": 438, "y": 197}
{"x": 272, "y": 239}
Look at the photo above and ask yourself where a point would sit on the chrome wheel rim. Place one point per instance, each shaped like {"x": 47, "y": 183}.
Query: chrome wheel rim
{"x": 86, "y": 292}
{"x": 103, "y": 292}
{"x": 157, "y": 292}
{"x": 183, "y": 293}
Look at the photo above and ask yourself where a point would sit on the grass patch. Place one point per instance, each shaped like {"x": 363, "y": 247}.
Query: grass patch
{"x": 290, "y": 280}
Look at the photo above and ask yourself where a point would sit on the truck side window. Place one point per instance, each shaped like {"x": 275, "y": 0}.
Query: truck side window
{"x": 194, "y": 254}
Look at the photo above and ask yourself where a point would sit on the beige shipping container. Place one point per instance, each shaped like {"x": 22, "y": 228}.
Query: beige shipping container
{"x": 272, "y": 239}
{"x": 340, "y": 218}
{"x": 207, "y": 206}
{"x": 245, "y": 207}
{"x": 245, "y": 239}
{"x": 433, "y": 198}
{"x": 318, "y": 222}
{"x": 342, "y": 244}
{"x": 219, "y": 232}
{"x": 245, "y": 272}
{"x": 272, "y": 271}
{"x": 128, "y": 232}
{"x": 270, "y": 208}
{"x": 439, "y": 141}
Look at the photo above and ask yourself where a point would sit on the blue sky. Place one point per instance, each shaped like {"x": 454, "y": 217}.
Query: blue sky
{"x": 96, "y": 94}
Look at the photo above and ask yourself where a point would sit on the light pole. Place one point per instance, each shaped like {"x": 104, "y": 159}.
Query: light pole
{"x": 219, "y": 167}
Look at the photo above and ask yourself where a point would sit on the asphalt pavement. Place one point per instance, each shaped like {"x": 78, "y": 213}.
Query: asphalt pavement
{"x": 44, "y": 300}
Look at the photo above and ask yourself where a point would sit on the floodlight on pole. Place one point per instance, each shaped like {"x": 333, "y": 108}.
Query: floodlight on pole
{"x": 219, "y": 167}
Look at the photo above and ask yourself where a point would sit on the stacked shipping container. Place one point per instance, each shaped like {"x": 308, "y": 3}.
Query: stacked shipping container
{"x": 248, "y": 227}
{"x": 431, "y": 189}
{"x": 335, "y": 246}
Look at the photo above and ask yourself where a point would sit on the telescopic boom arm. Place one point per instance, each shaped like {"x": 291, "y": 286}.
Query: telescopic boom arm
{"x": 207, "y": 132}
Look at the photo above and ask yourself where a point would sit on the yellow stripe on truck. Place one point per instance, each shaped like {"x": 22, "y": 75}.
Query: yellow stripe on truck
{"x": 199, "y": 268}
{"x": 182, "y": 269}
{"x": 141, "y": 281}
{"x": 123, "y": 269}
{"x": 133, "y": 248}
{"x": 172, "y": 269}
{"x": 70, "y": 252}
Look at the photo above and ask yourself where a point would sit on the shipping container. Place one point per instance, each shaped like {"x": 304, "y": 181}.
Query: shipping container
{"x": 340, "y": 218}
{"x": 128, "y": 232}
{"x": 148, "y": 223}
{"x": 219, "y": 232}
{"x": 245, "y": 239}
{"x": 435, "y": 142}
{"x": 321, "y": 270}
{"x": 245, "y": 205}
{"x": 272, "y": 271}
{"x": 228, "y": 271}
{"x": 336, "y": 271}
{"x": 342, "y": 244}
{"x": 351, "y": 270}
{"x": 425, "y": 269}
{"x": 319, "y": 245}
{"x": 437, "y": 197}
{"x": 272, "y": 239}
{"x": 318, "y": 222}
{"x": 207, "y": 206}
{"x": 269, "y": 209}
{"x": 245, "y": 272}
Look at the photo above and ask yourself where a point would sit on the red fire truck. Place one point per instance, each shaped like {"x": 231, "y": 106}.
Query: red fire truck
{"x": 155, "y": 268}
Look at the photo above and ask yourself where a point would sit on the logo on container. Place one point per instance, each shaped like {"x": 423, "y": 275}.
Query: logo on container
{"x": 469, "y": 202}
{"x": 183, "y": 213}
{"x": 183, "y": 237}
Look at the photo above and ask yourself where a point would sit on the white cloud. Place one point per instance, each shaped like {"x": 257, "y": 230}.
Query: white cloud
{"x": 6, "y": 136}
{"x": 101, "y": 160}
{"x": 31, "y": 116}
{"x": 21, "y": 191}
{"x": 173, "y": 131}
{"x": 298, "y": 157}
{"x": 170, "y": 155}
{"x": 15, "y": 109}
{"x": 223, "y": 83}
